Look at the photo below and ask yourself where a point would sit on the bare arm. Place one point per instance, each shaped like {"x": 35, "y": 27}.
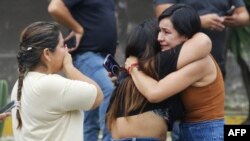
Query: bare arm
{"x": 157, "y": 91}
{"x": 198, "y": 47}
{"x": 161, "y": 7}
{"x": 72, "y": 73}
{"x": 60, "y": 13}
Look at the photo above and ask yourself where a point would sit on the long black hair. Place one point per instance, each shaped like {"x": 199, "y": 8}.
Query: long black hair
{"x": 126, "y": 98}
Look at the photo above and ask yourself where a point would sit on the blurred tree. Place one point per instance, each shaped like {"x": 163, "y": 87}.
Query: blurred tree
{"x": 3, "y": 99}
{"x": 240, "y": 47}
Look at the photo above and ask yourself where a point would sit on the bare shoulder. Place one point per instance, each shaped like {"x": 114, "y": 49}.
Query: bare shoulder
{"x": 199, "y": 38}
{"x": 209, "y": 72}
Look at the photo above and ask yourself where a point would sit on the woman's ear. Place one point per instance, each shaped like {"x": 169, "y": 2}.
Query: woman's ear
{"x": 46, "y": 55}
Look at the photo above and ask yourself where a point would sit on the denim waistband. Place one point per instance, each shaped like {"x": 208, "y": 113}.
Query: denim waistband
{"x": 136, "y": 139}
{"x": 204, "y": 123}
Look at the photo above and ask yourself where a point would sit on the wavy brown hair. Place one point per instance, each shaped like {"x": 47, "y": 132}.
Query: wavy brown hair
{"x": 141, "y": 43}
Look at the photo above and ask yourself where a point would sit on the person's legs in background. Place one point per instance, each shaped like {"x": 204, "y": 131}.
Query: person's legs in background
{"x": 91, "y": 64}
{"x": 107, "y": 89}
{"x": 91, "y": 125}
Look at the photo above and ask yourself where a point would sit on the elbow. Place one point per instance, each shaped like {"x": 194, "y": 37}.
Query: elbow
{"x": 98, "y": 100}
{"x": 52, "y": 9}
{"x": 207, "y": 43}
{"x": 247, "y": 20}
{"x": 244, "y": 20}
{"x": 99, "y": 97}
{"x": 152, "y": 98}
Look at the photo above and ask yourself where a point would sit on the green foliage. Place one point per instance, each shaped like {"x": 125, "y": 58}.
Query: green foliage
{"x": 240, "y": 46}
{"x": 3, "y": 99}
{"x": 240, "y": 43}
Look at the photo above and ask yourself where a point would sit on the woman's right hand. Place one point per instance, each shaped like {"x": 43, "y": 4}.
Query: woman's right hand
{"x": 130, "y": 63}
{"x": 67, "y": 61}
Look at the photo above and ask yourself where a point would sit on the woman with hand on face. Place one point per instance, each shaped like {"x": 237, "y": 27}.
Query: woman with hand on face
{"x": 200, "y": 83}
{"x": 49, "y": 103}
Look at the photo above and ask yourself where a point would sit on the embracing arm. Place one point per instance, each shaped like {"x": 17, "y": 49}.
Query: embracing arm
{"x": 157, "y": 91}
{"x": 198, "y": 47}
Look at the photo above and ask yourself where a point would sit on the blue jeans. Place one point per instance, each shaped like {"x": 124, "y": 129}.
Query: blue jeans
{"x": 175, "y": 134}
{"x": 212, "y": 130}
{"x": 136, "y": 139}
{"x": 91, "y": 64}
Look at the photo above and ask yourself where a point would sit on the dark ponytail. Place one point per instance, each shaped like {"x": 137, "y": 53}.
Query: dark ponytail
{"x": 34, "y": 39}
{"x": 22, "y": 71}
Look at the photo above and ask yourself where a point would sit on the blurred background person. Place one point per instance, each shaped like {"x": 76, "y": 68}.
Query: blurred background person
{"x": 93, "y": 24}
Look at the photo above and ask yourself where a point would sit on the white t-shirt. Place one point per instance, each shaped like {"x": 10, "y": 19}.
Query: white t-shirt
{"x": 50, "y": 108}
